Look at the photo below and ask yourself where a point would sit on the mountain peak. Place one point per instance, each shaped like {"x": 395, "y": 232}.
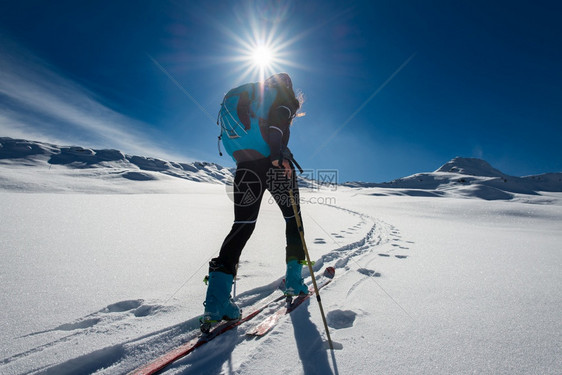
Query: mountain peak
{"x": 471, "y": 167}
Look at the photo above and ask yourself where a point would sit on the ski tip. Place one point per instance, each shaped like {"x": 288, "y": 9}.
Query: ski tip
{"x": 330, "y": 272}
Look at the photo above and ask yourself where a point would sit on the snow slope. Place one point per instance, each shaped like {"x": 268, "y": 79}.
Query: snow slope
{"x": 98, "y": 281}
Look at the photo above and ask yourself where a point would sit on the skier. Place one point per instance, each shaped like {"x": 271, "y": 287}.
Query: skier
{"x": 254, "y": 174}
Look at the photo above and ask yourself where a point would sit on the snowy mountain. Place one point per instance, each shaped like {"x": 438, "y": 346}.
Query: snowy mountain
{"x": 42, "y": 167}
{"x": 470, "y": 166}
{"x": 469, "y": 177}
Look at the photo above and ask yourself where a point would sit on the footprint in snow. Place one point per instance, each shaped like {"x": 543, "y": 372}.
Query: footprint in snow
{"x": 83, "y": 324}
{"x": 123, "y": 306}
{"x": 339, "y": 319}
{"x": 400, "y": 246}
{"x": 146, "y": 310}
{"x": 135, "y": 306}
{"x": 368, "y": 272}
{"x": 319, "y": 241}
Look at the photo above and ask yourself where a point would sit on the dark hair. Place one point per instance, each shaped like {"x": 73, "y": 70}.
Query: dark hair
{"x": 283, "y": 82}
{"x": 292, "y": 98}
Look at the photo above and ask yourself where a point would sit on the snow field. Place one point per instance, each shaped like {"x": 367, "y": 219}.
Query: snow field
{"x": 103, "y": 255}
{"x": 481, "y": 284}
{"x": 100, "y": 271}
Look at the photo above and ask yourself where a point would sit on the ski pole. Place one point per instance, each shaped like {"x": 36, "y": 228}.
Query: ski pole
{"x": 234, "y": 282}
{"x": 301, "y": 231}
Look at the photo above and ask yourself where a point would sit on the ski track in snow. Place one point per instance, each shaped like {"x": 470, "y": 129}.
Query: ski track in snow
{"x": 112, "y": 318}
{"x": 129, "y": 354}
{"x": 211, "y": 360}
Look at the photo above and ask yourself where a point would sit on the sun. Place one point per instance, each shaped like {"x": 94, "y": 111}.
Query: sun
{"x": 262, "y": 57}
{"x": 260, "y": 48}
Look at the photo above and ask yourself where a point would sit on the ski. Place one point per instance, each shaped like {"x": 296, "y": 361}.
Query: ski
{"x": 170, "y": 357}
{"x": 268, "y": 323}
{"x": 167, "y": 359}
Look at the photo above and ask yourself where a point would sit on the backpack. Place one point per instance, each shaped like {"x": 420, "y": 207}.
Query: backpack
{"x": 242, "y": 119}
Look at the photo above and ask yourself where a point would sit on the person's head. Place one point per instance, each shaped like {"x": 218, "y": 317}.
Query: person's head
{"x": 280, "y": 80}
{"x": 283, "y": 81}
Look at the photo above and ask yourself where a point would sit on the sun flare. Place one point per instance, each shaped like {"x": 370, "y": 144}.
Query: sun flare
{"x": 262, "y": 57}
{"x": 261, "y": 48}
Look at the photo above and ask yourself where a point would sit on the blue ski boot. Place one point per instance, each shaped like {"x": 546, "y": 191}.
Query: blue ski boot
{"x": 294, "y": 284}
{"x": 218, "y": 303}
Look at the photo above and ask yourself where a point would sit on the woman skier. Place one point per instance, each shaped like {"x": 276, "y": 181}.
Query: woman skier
{"x": 254, "y": 174}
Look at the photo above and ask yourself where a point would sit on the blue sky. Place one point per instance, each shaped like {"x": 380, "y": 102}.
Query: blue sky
{"x": 391, "y": 87}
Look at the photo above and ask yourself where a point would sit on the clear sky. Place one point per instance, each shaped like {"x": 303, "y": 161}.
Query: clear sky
{"x": 391, "y": 87}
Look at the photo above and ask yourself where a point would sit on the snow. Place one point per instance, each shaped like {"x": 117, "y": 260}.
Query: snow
{"x": 103, "y": 256}
{"x": 470, "y": 178}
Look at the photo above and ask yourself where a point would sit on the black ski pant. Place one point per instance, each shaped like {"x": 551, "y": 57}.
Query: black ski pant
{"x": 251, "y": 180}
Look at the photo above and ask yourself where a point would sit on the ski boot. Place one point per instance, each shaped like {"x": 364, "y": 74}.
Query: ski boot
{"x": 219, "y": 304}
{"x": 294, "y": 284}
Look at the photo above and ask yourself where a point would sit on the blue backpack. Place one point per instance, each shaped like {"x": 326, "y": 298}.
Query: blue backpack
{"x": 242, "y": 118}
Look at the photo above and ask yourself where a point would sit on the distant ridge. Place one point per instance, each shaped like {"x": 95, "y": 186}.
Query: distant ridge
{"x": 469, "y": 177}
{"x": 31, "y": 166}
{"x": 98, "y": 163}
